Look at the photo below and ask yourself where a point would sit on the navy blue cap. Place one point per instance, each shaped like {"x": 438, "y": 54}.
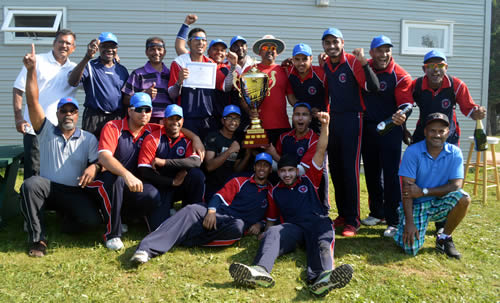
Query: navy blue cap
{"x": 380, "y": 40}
{"x": 264, "y": 156}
{"x": 303, "y": 49}
{"x": 108, "y": 37}
{"x": 236, "y": 39}
{"x": 334, "y": 32}
{"x": 231, "y": 109}
{"x": 215, "y": 41}
{"x": 140, "y": 99}
{"x": 67, "y": 100}
{"x": 173, "y": 110}
{"x": 434, "y": 54}
{"x": 437, "y": 117}
{"x": 302, "y": 104}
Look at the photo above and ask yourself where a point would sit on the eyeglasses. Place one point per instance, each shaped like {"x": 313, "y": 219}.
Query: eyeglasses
{"x": 230, "y": 119}
{"x": 140, "y": 110}
{"x": 268, "y": 48}
{"x": 71, "y": 111}
{"x": 198, "y": 38}
{"x": 435, "y": 65}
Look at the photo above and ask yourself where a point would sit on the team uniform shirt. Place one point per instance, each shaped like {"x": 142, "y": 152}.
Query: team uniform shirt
{"x": 443, "y": 100}
{"x": 117, "y": 140}
{"x": 196, "y": 102}
{"x": 222, "y": 98}
{"x": 52, "y": 79}
{"x": 218, "y": 144}
{"x": 273, "y": 108}
{"x": 143, "y": 78}
{"x": 395, "y": 90}
{"x": 345, "y": 79}
{"x": 428, "y": 172}
{"x": 64, "y": 160}
{"x": 245, "y": 199}
{"x": 312, "y": 89}
{"x": 159, "y": 145}
{"x": 103, "y": 86}
{"x": 298, "y": 203}
{"x": 303, "y": 148}
{"x": 249, "y": 62}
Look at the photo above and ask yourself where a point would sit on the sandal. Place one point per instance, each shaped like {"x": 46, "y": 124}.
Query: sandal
{"x": 37, "y": 249}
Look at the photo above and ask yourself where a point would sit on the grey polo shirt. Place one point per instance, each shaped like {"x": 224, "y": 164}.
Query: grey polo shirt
{"x": 63, "y": 161}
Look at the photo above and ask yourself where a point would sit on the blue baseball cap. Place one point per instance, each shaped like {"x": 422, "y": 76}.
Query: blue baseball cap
{"x": 303, "y": 49}
{"x": 434, "y": 54}
{"x": 108, "y": 37}
{"x": 140, "y": 99}
{"x": 215, "y": 41}
{"x": 173, "y": 110}
{"x": 67, "y": 100}
{"x": 236, "y": 39}
{"x": 264, "y": 156}
{"x": 380, "y": 40}
{"x": 303, "y": 104}
{"x": 231, "y": 109}
{"x": 334, "y": 32}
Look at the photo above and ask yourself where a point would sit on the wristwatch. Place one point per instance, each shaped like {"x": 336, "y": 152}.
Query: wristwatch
{"x": 425, "y": 191}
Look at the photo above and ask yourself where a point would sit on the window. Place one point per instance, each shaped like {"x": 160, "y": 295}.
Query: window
{"x": 419, "y": 37}
{"x": 25, "y": 25}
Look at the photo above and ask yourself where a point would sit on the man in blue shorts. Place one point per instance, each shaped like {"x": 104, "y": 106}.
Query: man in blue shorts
{"x": 432, "y": 172}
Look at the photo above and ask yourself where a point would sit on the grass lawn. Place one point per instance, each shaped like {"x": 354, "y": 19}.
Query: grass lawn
{"x": 81, "y": 269}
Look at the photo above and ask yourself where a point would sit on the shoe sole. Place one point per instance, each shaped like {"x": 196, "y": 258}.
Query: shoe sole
{"x": 242, "y": 275}
{"x": 339, "y": 278}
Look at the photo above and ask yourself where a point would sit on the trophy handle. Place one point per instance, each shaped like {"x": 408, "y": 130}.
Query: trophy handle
{"x": 273, "y": 78}
{"x": 236, "y": 80}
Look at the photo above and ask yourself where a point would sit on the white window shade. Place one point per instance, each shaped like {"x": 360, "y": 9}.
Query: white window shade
{"x": 419, "y": 37}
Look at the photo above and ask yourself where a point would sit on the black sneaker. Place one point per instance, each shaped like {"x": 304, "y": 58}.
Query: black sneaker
{"x": 250, "y": 275}
{"x": 328, "y": 280}
{"x": 446, "y": 246}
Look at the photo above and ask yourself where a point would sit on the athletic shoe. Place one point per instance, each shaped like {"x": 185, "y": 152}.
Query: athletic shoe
{"x": 37, "y": 249}
{"x": 447, "y": 246}
{"x": 328, "y": 280}
{"x": 390, "y": 232}
{"x": 339, "y": 222}
{"x": 140, "y": 257}
{"x": 250, "y": 275}
{"x": 350, "y": 231}
{"x": 114, "y": 244}
{"x": 371, "y": 221}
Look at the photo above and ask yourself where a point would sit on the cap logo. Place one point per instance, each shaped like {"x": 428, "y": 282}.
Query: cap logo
{"x": 445, "y": 103}
{"x": 300, "y": 151}
{"x": 342, "y": 78}
{"x": 312, "y": 90}
{"x": 303, "y": 189}
{"x": 180, "y": 151}
{"x": 383, "y": 86}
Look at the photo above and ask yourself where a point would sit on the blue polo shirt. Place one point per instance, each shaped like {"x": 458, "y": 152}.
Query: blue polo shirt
{"x": 103, "y": 86}
{"x": 428, "y": 172}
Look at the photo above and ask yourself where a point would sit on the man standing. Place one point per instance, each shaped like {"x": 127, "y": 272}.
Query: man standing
{"x": 52, "y": 70}
{"x": 102, "y": 79}
{"x": 238, "y": 207}
{"x": 439, "y": 92}
{"x": 65, "y": 154}
{"x": 382, "y": 154}
{"x": 238, "y": 45}
{"x": 347, "y": 76}
{"x": 152, "y": 79}
{"x": 305, "y": 221}
{"x": 432, "y": 172}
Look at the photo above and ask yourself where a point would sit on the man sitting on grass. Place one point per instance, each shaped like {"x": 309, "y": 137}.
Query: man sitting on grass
{"x": 432, "y": 172}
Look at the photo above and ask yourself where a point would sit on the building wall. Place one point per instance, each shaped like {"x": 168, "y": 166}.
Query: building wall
{"x": 291, "y": 20}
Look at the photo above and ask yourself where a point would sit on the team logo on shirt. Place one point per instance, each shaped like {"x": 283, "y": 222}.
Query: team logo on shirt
{"x": 383, "y": 85}
{"x": 139, "y": 142}
{"x": 303, "y": 189}
{"x": 180, "y": 151}
{"x": 445, "y": 103}
{"x": 343, "y": 78}
{"x": 312, "y": 90}
{"x": 263, "y": 204}
{"x": 300, "y": 151}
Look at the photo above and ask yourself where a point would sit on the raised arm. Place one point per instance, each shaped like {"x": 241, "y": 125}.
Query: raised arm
{"x": 77, "y": 73}
{"x": 180, "y": 40}
{"x": 319, "y": 156}
{"x": 37, "y": 116}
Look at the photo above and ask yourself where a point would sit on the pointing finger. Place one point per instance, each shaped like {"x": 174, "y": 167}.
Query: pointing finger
{"x": 33, "y": 49}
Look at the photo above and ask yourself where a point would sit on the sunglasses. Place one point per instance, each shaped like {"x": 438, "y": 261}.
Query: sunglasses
{"x": 141, "y": 110}
{"x": 268, "y": 48}
{"x": 435, "y": 65}
{"x": 70, "y": 111}
{"x": 198, "y": 38}
{"x": 229, "y": 118}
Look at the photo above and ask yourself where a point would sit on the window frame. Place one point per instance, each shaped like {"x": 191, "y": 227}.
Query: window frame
{"x": 447, "y": 26}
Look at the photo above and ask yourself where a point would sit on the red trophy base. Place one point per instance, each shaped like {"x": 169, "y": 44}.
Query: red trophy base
{"x": 255, "y": 136}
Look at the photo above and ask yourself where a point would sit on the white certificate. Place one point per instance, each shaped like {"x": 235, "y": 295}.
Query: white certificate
{"x": 201, "y": 75}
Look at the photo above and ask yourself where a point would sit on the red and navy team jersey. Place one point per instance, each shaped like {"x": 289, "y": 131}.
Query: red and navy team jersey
{"x": 345, "y": 82}
{"x": 299, "y": 202}
{"x": 117, "y": 140}
{"x": 222, "y": 98}
{"x": 312, "y": 89}
{"x": 159, "y": 145}
{"x": 243, "y": 198}
{"x": 395, "y": 90}
{"x": 442, "y": 100}
{"x": 303, "y": 148}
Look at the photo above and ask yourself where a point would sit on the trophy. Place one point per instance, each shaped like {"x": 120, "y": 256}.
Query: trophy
{"x": 253, "y": 88}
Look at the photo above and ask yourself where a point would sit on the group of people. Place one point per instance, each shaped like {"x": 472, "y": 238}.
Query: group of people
{"x": 148, "y": 141}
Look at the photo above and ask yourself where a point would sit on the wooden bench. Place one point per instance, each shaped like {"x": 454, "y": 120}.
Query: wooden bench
{"x": 10, "y": 161}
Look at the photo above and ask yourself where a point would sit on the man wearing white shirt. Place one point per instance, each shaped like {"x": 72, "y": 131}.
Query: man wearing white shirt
{"x": 52, "y": 72}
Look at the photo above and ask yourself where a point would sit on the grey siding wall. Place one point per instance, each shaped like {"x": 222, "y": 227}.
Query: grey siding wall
{"x": 293, "y": 21}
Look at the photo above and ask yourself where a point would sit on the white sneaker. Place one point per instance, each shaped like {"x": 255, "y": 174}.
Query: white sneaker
{"x": 124, "y": 228}
{"x": 114, "y": 244}
{"x": 371, "y": 221}
{"x": 390, "y": 232}
{"x": 140, "y": 257}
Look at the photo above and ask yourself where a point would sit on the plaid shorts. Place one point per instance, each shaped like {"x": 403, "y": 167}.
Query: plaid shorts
{"x": 433, "y": 210}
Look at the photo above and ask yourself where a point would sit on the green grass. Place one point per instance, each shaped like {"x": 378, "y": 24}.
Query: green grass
{"x": 81, "y": 269}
